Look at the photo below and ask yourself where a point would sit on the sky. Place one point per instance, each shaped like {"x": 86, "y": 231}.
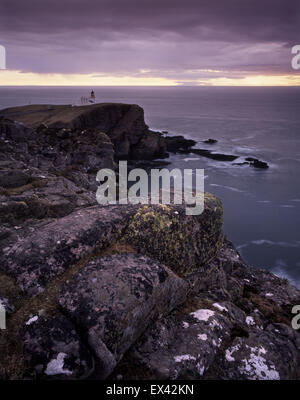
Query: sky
{"x": 149, "y": 42}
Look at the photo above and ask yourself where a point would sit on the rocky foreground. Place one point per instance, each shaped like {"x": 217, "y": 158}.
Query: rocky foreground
{"x": 123, "y": 292}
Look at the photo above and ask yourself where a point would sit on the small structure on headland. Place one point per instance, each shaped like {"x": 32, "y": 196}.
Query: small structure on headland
{"x": 88, "y": 100}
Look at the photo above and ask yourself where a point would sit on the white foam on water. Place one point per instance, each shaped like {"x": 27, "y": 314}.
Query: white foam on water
{"x": 233, "y": 189}
{"x": 260, "y": 242}
{"x": 280, "y": 271}
{"x": 191, "y": 159}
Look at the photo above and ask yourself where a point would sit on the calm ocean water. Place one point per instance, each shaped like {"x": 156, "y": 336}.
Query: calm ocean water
{"x": 262, "y": 207}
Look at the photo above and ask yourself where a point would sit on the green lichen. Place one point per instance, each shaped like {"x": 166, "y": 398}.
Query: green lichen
{"x": 181, "y": 242}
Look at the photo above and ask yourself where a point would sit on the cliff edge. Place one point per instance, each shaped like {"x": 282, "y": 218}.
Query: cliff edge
{"x": 124, "y": 124}
{"x": 123, "y": 292}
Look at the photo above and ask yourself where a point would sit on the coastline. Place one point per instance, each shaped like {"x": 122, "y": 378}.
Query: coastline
{"x": 47, "y": 183}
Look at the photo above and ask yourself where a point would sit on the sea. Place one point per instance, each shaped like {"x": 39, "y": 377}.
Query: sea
{"x": 261, "y": 206}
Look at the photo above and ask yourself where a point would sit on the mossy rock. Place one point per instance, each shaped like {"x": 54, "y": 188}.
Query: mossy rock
{"x": 182, "y": 242}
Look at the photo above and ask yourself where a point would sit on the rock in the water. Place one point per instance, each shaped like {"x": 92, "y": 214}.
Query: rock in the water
{"x": 182, "y": 242}
{"x": 214, "y": 156}
{"x": 113, "y": 299}
{"x": 210, "y": 141}
{"x": 179, "y": 144}
{"x": 152, "y": 145}
{"x": 257, "y": 163}
{"x": 53, "y": 349}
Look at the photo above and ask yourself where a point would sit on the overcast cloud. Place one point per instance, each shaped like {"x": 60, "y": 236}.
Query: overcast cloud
{"x": 183, "y": 40}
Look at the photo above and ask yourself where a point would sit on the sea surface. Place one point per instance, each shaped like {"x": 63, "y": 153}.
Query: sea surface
{"x": 262, "y": 207}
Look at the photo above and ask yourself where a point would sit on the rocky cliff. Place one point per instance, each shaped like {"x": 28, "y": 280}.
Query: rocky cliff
{"x": 124, "y": 124}
{"x": 125, "y": 292}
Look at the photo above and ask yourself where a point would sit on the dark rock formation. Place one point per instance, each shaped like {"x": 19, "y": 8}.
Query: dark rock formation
{"x": 257, "y": 163}
{"x": 241, "y": 163}
{"x": 179, "y": 144}
{"x": 210, "y": 141}
{"x": 221, "y": 319}
{"x": 258, "y": 356}
{"x": 36, "y": 259}
{"x": 182, "y": 345}
{"x": 182, "y": 242}
{"x": 115, "y": 298}
{"x": 151, "y": 145}
{"x": 229, "y": 328}
{"x": 214, "y": 156}
{"x": 123, "y": 123}
{"x": 132, "y": 291}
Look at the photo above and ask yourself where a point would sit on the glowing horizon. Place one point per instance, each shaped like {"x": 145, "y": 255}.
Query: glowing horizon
{"x": 18, "y": 78}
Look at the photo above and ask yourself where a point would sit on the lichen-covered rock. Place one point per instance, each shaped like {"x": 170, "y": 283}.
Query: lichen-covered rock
{"x": 180, "y": 346}
{"x": 182, "y": 242}
{"x": 53, "y": 349}
{"x": 38, "y": 258}
{"x": 50, "y": 198}
{"x": 271, "y": 354}
{"x": 113, "y": 299}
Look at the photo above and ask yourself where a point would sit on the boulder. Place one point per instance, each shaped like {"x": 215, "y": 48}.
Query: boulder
{"x": 264, "y": 355}
{"x": 182, "y": 242}
{"x": 180, "y": 346}
{"x": 113, "y": 299}
{"x": 43, "y": 255}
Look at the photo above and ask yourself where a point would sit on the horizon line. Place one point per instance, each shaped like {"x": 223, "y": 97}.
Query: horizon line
{"x": 148, "y": 86}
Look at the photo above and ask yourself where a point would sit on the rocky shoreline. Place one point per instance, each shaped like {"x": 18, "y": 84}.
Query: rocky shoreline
{"x": 123, "y": 292}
